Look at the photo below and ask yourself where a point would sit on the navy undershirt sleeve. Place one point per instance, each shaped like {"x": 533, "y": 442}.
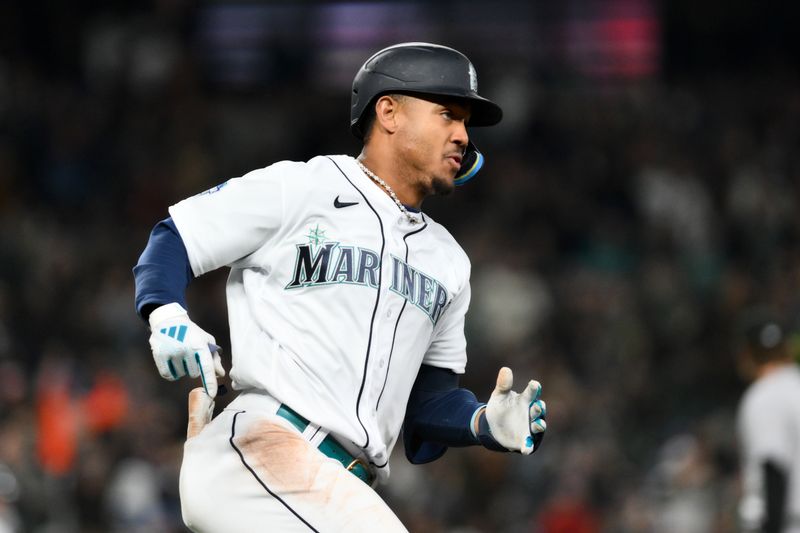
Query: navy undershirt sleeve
{"x": 163, "y": 271}
{"x": 438, "y": 415}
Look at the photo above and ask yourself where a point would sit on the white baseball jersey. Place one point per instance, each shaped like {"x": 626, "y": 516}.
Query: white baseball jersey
{"x": 769, "y": 430}
{"x": 335, "y": 298}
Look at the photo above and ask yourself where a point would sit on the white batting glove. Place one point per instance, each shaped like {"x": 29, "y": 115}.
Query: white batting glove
{"x": 516, "y": 421}
{"x": 181, "y": 347}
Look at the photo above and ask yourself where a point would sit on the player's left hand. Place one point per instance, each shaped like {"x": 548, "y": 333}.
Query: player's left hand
{"x": 516, "y": 421}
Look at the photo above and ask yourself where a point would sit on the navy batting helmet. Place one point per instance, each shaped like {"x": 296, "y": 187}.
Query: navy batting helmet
{"x": 423, "y": 68}
{"x": 419, "y": 68}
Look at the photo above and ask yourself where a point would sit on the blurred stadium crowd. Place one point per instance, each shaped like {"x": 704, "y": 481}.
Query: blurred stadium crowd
{"x": 617, "y": 232}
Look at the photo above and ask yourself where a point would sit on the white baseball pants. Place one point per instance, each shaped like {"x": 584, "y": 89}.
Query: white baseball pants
{"x": 250, "y": 470}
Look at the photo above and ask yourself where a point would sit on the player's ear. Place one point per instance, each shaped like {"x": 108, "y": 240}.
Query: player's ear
{"x": 386, "y": 112}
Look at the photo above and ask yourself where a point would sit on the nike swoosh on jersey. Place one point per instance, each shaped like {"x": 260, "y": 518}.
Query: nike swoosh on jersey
{"x": 338, "y": 205}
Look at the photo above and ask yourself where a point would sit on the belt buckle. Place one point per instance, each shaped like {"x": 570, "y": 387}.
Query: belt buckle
{"x": 367, "y": 476}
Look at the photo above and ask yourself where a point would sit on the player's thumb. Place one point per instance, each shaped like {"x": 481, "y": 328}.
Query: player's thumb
{"x": 505, "y": 380}
{"x": 207, "y": 371}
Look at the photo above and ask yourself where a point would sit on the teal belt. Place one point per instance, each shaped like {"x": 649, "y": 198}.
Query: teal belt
{"x": 331, "y": 448}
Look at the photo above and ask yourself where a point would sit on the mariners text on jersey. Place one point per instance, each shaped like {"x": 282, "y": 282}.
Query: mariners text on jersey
{"x": 333, "y": 263}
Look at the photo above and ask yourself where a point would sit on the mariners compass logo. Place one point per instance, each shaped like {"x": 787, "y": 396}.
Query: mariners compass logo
{"x": 316, "y": 236}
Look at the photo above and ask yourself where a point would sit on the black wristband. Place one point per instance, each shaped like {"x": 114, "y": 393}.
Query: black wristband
{"x": 146, "y": 309}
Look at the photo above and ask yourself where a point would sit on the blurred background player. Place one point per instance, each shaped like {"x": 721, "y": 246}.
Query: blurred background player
{"x": 769, "y": 429}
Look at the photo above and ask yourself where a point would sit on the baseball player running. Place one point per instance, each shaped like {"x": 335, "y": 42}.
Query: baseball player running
{"x": 346, "y": 306}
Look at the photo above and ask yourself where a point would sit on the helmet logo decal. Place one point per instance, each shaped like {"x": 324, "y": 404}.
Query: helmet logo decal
{"x": 473, "y": 79}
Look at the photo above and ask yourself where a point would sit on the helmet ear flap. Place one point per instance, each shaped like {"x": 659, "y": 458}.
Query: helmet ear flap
{"x": 471, "y": 163}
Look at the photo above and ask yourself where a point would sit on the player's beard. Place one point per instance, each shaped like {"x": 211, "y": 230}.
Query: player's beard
{"x": 442, "y": 186}
{"x": 434, "y": 184}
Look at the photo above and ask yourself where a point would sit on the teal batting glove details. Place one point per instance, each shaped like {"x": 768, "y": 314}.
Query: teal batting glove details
{"x": 181, "y": 348}
{"x": 515, "y": 421}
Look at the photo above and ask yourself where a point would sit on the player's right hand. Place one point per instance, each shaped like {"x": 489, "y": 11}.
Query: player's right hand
{"x": 181, "y": 347}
